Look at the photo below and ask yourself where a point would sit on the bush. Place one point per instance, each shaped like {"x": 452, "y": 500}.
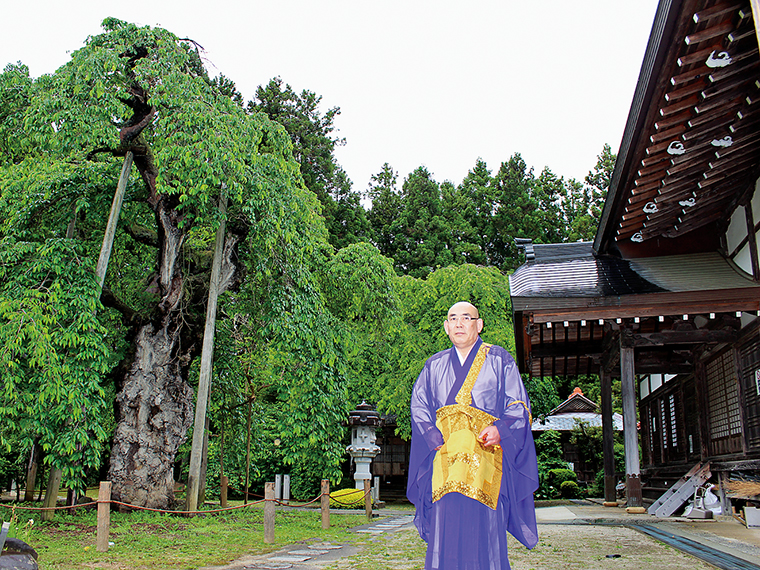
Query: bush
{"x": 569, "y": 490}
{"x": 347, "y": 499}
{"x": 558, "y": 476}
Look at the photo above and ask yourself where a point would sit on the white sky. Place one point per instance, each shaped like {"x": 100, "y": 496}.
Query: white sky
{"x": 434, "y": 83}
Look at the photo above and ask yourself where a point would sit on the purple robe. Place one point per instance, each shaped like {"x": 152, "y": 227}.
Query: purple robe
{"x": 462, "y": 533}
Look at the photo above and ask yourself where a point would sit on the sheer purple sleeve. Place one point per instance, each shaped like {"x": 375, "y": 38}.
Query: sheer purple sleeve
{"x": 426, "y": 437}
{"x": 520, "y": 470}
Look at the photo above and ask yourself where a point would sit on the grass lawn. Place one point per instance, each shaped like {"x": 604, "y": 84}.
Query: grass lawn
{"x": 145, "y": 540}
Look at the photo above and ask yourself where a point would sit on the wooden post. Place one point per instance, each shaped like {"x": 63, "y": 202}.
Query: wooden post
{"x": 628, "y": 388}
{"x": 368, "y": 499}
{"x": 223, "y": 484}
{"x": 325, "y": 504}
{"x": 204, "y": 465}
{"x": 51, "y": 495}
{"x": 248, "y": 452}
{"x": 104, "y": 515}
{"x": 608, "y": 440}
{"x": 113, "y": 218}
{"x": 204, "y": 375}
{"x": 269, "y": 512}
{"x": 31, "y": 475}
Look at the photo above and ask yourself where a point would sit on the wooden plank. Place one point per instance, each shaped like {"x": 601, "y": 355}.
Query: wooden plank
{"x": 748, "y": 66}
{"x": 668, "y": 337}
{"x": 728, "y": 87}
{"x": 685, "y": 91}
{"x": 643, "y": 306}
{"x": 699, "y": 56}
{"x": 716, "y": 11}
{"x": 647, "y": 181}
{"x": 710, "y": 33}
{"x": 674, "y": 120}
{"x": 669, "y": 134}
{"x": 710, "y": 105}
{"x": 654, "y": 158}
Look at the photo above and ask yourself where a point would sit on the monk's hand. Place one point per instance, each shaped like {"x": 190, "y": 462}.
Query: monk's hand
{"x": 489, "y": 436}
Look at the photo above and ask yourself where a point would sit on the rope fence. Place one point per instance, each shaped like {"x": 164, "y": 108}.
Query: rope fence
{"x": 104, "y": 503}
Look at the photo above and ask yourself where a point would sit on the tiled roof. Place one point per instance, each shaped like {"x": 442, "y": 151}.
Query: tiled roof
{"x": 566, "y": 422}
{"x": 571, "y": 270}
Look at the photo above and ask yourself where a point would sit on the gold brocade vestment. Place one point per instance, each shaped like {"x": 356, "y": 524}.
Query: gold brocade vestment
{"x": 463, "y": 464}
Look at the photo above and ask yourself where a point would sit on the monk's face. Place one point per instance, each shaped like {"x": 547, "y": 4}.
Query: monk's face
{"x": 463, "y": 325}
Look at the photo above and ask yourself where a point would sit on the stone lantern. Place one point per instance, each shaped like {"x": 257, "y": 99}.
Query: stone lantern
{"x": 363, "y": 421}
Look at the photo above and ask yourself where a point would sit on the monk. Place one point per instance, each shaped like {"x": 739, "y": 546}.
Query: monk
{"x": 472, "y": 468}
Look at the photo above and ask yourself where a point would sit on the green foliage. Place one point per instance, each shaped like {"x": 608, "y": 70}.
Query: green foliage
{"x": 53, "y": 354}
{"x": 558, "y": 476}
{"x": 569, "y": 490}
{"x": 314, "y": 144}
{"x": 549, "y": 457}
{"x": 543, "y": 395}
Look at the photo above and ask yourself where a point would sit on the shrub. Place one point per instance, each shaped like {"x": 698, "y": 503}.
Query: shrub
{"x": 558, "y": 476}
{"x": 569, "y": 490}
{"x": 347, "y": 499}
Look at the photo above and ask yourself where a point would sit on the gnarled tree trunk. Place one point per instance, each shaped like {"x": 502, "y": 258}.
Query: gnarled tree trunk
{"x": 155, "y": 404}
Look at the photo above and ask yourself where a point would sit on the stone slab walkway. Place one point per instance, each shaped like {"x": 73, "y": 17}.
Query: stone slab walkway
{"x": 313, "y": 556}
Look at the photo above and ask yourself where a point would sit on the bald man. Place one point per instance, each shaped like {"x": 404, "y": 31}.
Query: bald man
{"x": 472, "y": 468}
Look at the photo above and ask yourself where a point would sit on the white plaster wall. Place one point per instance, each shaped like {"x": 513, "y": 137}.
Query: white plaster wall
{"x": 737, "y": 229}
{"x": 743, "y": 259}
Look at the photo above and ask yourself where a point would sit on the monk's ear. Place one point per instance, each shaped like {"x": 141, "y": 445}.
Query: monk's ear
{"x": 480, "y": 325}
{"x": 446, "y": 326}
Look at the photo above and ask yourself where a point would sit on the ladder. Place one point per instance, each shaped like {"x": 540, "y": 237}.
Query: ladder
{"x": 681, "y": 491}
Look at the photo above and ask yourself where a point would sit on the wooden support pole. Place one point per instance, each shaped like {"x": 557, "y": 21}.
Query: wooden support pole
{"x": 31, "y": 474}
{"x": 248, "y": 452}
{"x": 269, "y": 512}
{"x": 113, "y": 219}
{"x": 104, "y": 516}
{"x": 204, "y": 376}
{"x": 324, "y": 502}
{"x": 51, "y": 495}
{"x": 223, "y": 485}
{"x": 628, "y": 388}
{"x": 368, "y": 499}
{"x": 608, "y": 440}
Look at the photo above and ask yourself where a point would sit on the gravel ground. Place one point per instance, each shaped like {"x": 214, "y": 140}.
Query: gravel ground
{"x": 560, "y": 546}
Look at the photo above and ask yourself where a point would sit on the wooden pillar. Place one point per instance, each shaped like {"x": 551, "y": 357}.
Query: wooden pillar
{"x": 51, "y": 495}
{"x": 104, "y": 516}
{"x": 325, "y": 504}
{"x": 31, "y": 474}
{"x": 368, "y": 499}
{"x": 223, "y": 485}
{"x": 630, "y": 431}
{"x": 269, "y": 512}
{"x": 608, "y": 440}
{"x": 193, "y": 499}
{"x": 204, "y": 465}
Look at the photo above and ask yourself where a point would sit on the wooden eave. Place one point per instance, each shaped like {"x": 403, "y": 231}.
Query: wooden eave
{"x": 691, "y": 149}
{"x": 663, "y": 344}
{"x": 560, "y": 309}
